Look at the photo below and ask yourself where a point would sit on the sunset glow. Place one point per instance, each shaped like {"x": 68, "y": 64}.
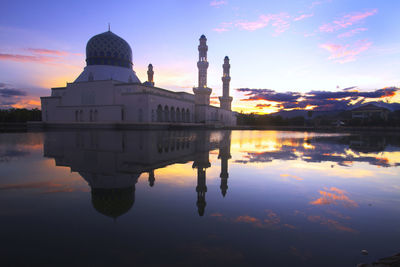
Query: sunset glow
{"x": 291, "y": 46}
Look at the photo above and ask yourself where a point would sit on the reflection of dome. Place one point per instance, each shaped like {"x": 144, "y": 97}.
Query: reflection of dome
{"x": 108, "y": 49}
{"x": 113, "y": 202}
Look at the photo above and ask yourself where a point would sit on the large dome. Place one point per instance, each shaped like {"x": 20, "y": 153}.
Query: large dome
{"x": 108, "y": 49}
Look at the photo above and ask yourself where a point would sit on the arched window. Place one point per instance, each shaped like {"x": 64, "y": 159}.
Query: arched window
{"x": 81, "y": 115}
{"x": 172, "y": 114}
{"x": 183, "y": 115}
{"x": 178, "y": 115}
{"x": 76, "y": 115}
{"x": 95, "y": 115}
{"x": 122, "y": 114}
{"x": 152, "y": 115}
{"x": 91, "y": 115}
{"x": 166, "y": 114}
{"x": 159, "y": 113}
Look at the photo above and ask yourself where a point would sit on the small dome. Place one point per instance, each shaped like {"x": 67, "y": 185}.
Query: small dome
{"x": 108, "y": 49}
{"x": 203, "y": 36}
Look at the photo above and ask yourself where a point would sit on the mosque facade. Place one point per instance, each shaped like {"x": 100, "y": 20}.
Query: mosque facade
{"x": 109, "y": 91}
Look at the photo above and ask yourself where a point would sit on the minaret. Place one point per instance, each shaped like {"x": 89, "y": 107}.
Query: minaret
{"x": 225, "y": 101}
{"x": 152, "y": 178}
{"x": 225, "y": 155}
{"x": 150, "y": 74}
{"x": 202, "y": 64}
{"x": 202, "y": 92}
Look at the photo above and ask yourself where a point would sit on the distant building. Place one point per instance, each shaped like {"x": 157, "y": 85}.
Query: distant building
{"x": 108, "y": 91}
{"x": 370, "y": 111}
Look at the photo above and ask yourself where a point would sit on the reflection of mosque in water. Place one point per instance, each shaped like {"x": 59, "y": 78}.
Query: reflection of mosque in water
{"x": 112, "y": 161}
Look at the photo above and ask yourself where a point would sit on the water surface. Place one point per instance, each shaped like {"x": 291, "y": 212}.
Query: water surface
{"x": 255, "y": 198}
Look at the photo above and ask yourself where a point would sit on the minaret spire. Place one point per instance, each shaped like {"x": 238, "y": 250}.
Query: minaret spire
{"x": 109, "y": 26}
{"x": 226, "y": 100}
{"x": 150, "y": 74}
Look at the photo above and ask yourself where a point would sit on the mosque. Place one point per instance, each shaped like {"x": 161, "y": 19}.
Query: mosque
{"x": 108, "y": 92}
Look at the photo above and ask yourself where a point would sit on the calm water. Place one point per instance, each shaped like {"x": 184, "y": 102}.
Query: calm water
{"x": 255, "y": 198}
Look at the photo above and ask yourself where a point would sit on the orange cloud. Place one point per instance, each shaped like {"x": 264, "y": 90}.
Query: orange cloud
{"x": 43, "y": 51}
{"x": 27, "y": 58}
{"x": 27, "y": 103}
{"x": 38, "y": 55}
{"x": 330, "y": 223}
{"x": 292, "y": 176}
{"x": 336, "y": 195}
{"x": 273, "y": 218}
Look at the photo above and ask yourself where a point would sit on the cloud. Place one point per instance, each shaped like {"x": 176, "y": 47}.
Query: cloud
{"x": 295, "y": 177}
{"x": 271, "y": 220}
{"x": 269, "y": 95}
{"x": 9, "y": 92}
{"x": 334, "y": 197}
{"x": 317, "y": 3}
{"x": 27, "y": 58}
{"x": 43, "y": 51}
{"x": 339, "y": 150}
{"x": 347, "y": 21}
{"x": 216, "y": 3}
{"x": 352, "y": 32}
{"x": 346, "y": 53}
{"x": 280, "y": 22}
{"x": 261, "y": 106}
{"x": 323, "y": 100}
{"x": 38, "y": 55}
{"x": 16, "y": 98}
{"x": 10, "y": 154}
{"x": 224, "y": 26}
{"x": 304, "y": 16}
{"x": 330, "y": 223}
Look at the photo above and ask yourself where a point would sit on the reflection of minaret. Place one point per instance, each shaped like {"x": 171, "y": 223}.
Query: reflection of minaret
{"x": 201, "y": 163}
{"x": 152, "y": 178}
{"x": 225, "y": 155}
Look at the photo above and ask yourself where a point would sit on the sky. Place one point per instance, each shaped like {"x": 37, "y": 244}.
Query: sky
{"x": 283, "y": 54}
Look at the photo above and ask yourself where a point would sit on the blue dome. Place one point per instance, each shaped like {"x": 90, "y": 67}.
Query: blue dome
{"x": 108, "y": 49}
